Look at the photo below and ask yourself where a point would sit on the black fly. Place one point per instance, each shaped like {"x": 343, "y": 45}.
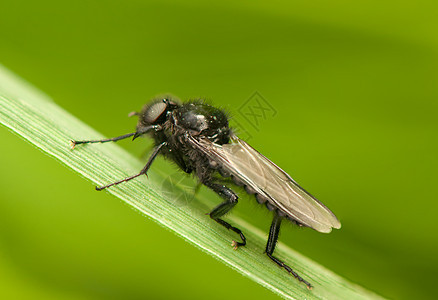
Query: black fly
{"x": 196, "y": 136}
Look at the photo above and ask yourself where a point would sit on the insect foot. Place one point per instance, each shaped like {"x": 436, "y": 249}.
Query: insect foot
{"x": 235, "y": 244}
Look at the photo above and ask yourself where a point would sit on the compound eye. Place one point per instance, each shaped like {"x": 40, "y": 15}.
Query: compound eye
{"x": 155, "y": 112}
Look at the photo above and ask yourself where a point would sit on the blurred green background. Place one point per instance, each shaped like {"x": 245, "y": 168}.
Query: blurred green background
{"x": 355, "y": 90}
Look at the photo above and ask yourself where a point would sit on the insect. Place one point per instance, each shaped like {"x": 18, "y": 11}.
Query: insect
{"x": 197, "y": 137}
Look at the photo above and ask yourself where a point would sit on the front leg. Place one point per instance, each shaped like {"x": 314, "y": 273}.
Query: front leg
{"x": 223, "y": 208}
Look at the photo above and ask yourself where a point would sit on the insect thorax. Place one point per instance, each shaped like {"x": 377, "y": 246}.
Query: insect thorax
{"x": 202, "y": 121}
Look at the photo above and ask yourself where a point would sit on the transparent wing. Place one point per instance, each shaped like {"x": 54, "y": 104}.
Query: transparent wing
{"x": 250, "y": 168}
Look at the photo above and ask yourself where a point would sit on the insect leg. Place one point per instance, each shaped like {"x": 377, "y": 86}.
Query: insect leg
{"x": 114, "y": 139}
{"x": 223, "y": 208}
{"x": 142, "y": 172}
{"x": 270, "y": 247}
{"x": 117, "y": 138}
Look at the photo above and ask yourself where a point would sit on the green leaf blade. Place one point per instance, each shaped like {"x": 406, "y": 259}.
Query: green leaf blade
{"x": 37, "y": 119}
